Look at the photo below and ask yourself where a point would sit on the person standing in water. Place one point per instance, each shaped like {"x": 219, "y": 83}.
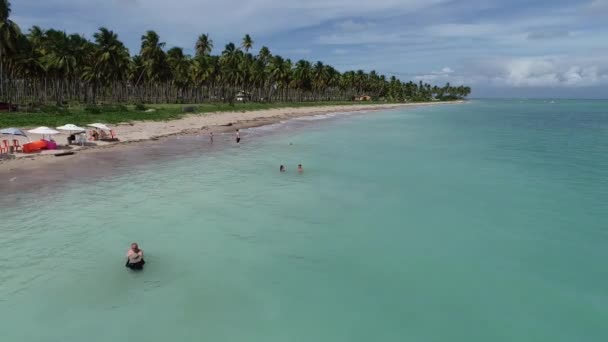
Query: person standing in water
{"x": 135, "y": 257}
{"x": 238, "y": 136}
{"x": 300, "y": 169}
{"x": 211, "y": 137}
{"x": 282, "y": 168}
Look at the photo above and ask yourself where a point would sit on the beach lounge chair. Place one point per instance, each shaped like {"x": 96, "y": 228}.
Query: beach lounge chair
{"x": 34, "y": 146}
{"x": 29, "y": 148}
{"x": 16, "y": 145}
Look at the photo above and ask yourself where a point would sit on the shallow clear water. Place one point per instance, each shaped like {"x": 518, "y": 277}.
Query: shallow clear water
{"x": 476, "y": 222}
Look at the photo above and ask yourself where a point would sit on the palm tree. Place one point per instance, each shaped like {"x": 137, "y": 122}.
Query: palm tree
{"x": 9, "y": 36}
{"x": 180, "y": 66}
{"x": 110, "y": 60}
{"x": 204, "y": 45}
{"x": 264, "y": 55}
{"x": 154, "y": 58}
{"x": 229, "y": 63}
{"x": 302, "y": 76}
{"x": 9, "y": 31}
{"x": 247, "y": 43}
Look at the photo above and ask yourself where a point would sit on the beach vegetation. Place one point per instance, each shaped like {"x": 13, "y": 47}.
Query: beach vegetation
{"x": 45, "y": 66}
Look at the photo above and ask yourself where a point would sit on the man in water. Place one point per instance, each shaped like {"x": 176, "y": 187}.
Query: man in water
{"x": 282, "y": 168}
{"x": 300, "y": 169}
{"x": 238, "y": 136}
{"x": 135, "y": 257}
{"x": 211, "y": 137}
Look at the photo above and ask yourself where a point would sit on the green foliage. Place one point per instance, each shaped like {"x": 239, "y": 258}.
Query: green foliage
{"x": 52, "y": 66}
{"x": 92, "y": 109}
{"x": 52, "y": 109}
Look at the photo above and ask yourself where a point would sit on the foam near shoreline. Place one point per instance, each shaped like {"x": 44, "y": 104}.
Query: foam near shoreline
{"x": 221, "y": 122}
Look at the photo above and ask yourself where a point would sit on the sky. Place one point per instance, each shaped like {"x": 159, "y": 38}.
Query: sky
{"x": 516, "y": 48}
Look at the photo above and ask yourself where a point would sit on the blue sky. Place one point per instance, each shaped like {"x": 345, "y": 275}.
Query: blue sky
{"x": 511, "y": 48}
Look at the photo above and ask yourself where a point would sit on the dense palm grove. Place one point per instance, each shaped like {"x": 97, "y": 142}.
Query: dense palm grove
{"x": 50, "y": 66}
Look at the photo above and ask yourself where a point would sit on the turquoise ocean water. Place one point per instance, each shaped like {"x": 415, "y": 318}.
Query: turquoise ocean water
{"x": 486, "y": 221}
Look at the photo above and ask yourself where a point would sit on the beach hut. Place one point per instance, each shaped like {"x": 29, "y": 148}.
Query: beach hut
{"x": 363, "y": 98}
{"x": 242, "y": 96}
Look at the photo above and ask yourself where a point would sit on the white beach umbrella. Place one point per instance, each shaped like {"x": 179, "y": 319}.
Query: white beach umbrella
{"x": 71, "y": 128}
{"x": 99, "y": 126}
{"x": 43, "y": 130}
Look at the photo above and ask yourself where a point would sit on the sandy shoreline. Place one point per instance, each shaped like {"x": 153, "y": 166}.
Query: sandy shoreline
{"x": 143, "y": 131}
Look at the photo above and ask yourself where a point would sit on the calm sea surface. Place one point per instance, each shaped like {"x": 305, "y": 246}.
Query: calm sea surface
{"x": 486, "y": 221}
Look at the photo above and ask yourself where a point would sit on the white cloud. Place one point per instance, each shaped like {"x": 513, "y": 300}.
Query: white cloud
{"x": 550, "y": 33}
{"x": 442, "y": 76}
{"x": 299, "y": 52}
{"x": 598, "y": 5}
{"x": 179, "y": 22}
{"x": 463, "y": 30}
{"x": 359, "y": 38}
{"x": 351, "y": 25}
{"x": 552, "y": 72}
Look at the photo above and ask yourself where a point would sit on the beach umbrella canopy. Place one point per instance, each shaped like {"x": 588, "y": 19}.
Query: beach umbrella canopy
{"x": 13, "y": 131}
{"x": 71, "y": 127}
{"x": 100, "y": 126}
{"x": 43, "y": 130}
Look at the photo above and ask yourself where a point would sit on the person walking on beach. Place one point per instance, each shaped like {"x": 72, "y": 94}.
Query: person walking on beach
{"x": 238, "y": 136}
{"x": 282, "y": 168}
{"x": 300, "y": 169}
{"x": 135, "y": 257}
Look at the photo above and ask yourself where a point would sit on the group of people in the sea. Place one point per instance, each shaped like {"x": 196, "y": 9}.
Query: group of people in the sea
{"x": 237, "y": 136}
{"x": 282, "y": 168}
{"x": 135, "y": 255}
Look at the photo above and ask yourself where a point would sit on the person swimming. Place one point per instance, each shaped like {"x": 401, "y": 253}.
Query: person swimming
{"x": 135, "y": 257}
{"x": 300, "y": 169}
{"x": 282, "y": 168}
